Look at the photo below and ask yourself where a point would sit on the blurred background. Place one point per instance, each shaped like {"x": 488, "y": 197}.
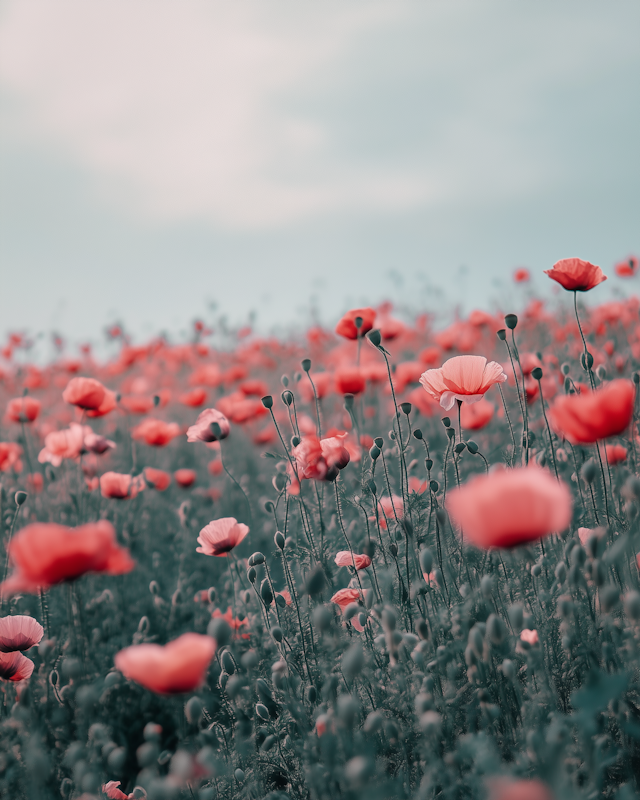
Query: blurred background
{"x": 277, "y": 162}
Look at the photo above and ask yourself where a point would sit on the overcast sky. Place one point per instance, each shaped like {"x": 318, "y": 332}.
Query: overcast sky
{"x": 160, "y": 155}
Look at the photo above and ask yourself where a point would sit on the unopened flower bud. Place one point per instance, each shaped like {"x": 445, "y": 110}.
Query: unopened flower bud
{"x": 417, "y": 434}
{"x": 239, "y": 775}
{"x": 276, "y": 633}
{"x": 434, "y": 486}
{"x": 426, "y": 560}
{"x": 393, "y": 549}
{"x": 406, "y": 408}
{"x": 609, "y": 598}
{"x": 632, "y": 605}
{"x": 459, "y": 448}
{"x": 472, "y": 447}
{"x": 279, "y": 540}
{"x": 560, "y": 572}
{"x": 508, "y": 669}
{"x": 375, "y": 337}
{"x": 565, "y": 368}
{"x": 496, "y": 630}
{"x": 586, "y": 359}
{"x": 251, "y": 575}
{"x": 20, "y": 498}
{"x": 193, "y": 710}
{"x": 502, "y": 334}
{"x": 266, "y": 592}
{"x": 374, "y": 452}
{"x": 228, "y": 664}
{"x": 255, "y": 559}
{"x": 588, "y": 471}
{"x": 262, "y": 711}
{"x": 511, "y": 321}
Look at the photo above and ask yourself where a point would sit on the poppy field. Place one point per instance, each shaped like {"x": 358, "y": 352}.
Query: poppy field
{"x": 385, "y": 560}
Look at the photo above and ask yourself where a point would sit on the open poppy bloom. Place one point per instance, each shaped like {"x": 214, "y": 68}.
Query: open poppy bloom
{"x": 318, "y": 459}
{"x": 234, "y": 622}
{"x": 106, "y": 406}
{"x": 86, "y": 393}
{"x": 343, "y": 598}
{"x": 15, "y": 666}
{"x": 347, "y": 325}
{"x": 19, "y": 632}
{"x": 177, "y": 667}
{"x": 464, "y": 378}
{"x": 511, "y": 507}
{"x": 155, "y": 432}
{"x": 344, "y": 559}
{"x": 616, "y": 453}
{"x": 474, "y": 417}
{"x": 196, "y": 397}
{"x": 220, "y": 536}
{"x": 67, "y": 443}
{"x": 586, "y": 417}
{"x": 120, "y": 486}
{"x": 23, "y": 409}
{"x": 211, "y": 426}
{"x": 157, "y": 479}
{"x": 521, "y": 275}
{"x": 350, "y": 380}
{"x": 44, "y": 554}
{"x": 113, "y": 791}
{"x": 185, "y": 477}
{"x": 10, "y": 457}
{"x": 627, "y": 268}
{"x": 576, "y": 275}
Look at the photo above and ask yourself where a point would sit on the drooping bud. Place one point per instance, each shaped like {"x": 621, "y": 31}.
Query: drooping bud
{"x": 279, "y": 540}
{"x": 375, "y": 337}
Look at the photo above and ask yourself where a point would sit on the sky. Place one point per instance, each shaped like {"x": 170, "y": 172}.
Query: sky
{"x": 285, "y": 161}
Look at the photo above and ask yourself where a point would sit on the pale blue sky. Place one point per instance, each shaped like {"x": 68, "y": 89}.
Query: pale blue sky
{"x": 159, "y": 155}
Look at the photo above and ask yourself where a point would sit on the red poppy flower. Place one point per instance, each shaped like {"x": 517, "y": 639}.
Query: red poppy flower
{"x": 347, "y": 325}
{"x": 177, "y": 667}
{"x": 584, "y": 418}
{"x": 23, "y": 409}
{"x": 474, "y": 417}
{"x": 521, "y": 275}
{"x": 87, "y": 393}
{"x": 185, "y": 477}
{"x": 350, "y": 380}
{"x": 107, "y": 405}
{"x": 616, "y": 453}
{"x": 508, "y": 789}
{"x": 344, "y": 559}
{"x": 44, "y": 554}
{"x": 202, "y": 431}
{"x": 68, "y": 443}
{"x": 157, "y": 479}
{"x": 508, "y": 508}
{"x": 628, "y": 268}
{"x": 10, "y": 454}
{"x": 576, "y": 275}
{"x": 194, "y": 398}
{"x": 120, "y": 486}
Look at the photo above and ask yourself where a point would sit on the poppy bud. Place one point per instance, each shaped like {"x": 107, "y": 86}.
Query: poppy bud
{"x": 423, "y": 629}
{"x": 426, "y": 560}
{"x": 255, "y": 559}
{"x": 353, "y": 660}
{"x": 154, "y": 588}
{"x": 536, "y": 570}
{"x": 632, "y": 605}
{"x": 322, "y": 618}
{"x": 516, "y": 616}
{"x": 371, "y": 485}
{"x": 486, "y": 585}
{"x": 609, "y": 598}
{"x": 511, "y": 321}
{"x": 451, "y": 433}
{"x": 441, "y": 516}
{"x": 193, "y": 710}
{"x": 406, "y": 408}
{"x": 434, "y": 486}
{"x": 375, "y": 337}
{"x": 20, "y": 498}
{"x": 636, "y": 378}
{"x": 228, "y": 664}
{"x": 502, "y": 334}
{"x": 276, "y": 633}
{"x": 287, "y": 397}
{"x": 220, "y": 630}
{"x": 560, "y": 572}
{"x": 417, "y": 434}
{"x": 306, "y": 364}
{"x": 362, "y": 618}
{"x": 379, "y": 442}
{"x": 315, "y": 582}
{"x": 373, "y": 722}
{"x": 267, "y": 401}
{"x": 496, "y": 629}
{"x": 262, "y": 711}
{"x": 279, "y": 540}
{"x": 536, "y": 373}
{"x": 295, "y": 441}
{"x": 565, "y": 368}
{"x": 251, "y": 575}
{"x": 266, "y": 592}
{"x": 393, "y": 549}
{"x": 446, "y": 422}
{"x": 239, "y": 775}
{"x": 508, "y": 669}
{"x": 476, "y": 641}
{"x": 588, "y": 471}
{"x": 586, "y": 359}
{"x": 459, "y": 448}
{"x": 601, "y": 372}
{"x": 374, "y": 452}
{"x": 312, "y": 694}
{"x": 389, "y": 618}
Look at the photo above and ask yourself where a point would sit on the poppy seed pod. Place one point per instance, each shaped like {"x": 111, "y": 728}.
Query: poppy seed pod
{"x": 406, "y": 408}
{"x": 417, "y": 434}
{"x": 375, "y": 337}
{"x": 536, "y": 373}
{"x": 267, "y": 401}
{"x": 426, "y": 560}
{"x": 446, "y": 421}
{"x": 306, "y": 364}
{"x": 287, "y": 397}
{"x": 472, "y": 447}
{"x": 379, "y": 442}
{"x": 502, "y": 334}
{"x": 511, "y": 321}
{"x": 315, "y": 582}
{"x": 459, "y": 448}
{"x": 20, "y": 498}
{"x": 588, "y": 471}
{"x": 451, "y": 433}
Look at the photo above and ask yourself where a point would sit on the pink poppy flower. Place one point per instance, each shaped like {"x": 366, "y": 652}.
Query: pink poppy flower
{"x": 386, "y": 506}
{"x": 616, "y": 453}
{"x": 464, "y": 378}
{"x": 97, "y": 444}
{"x": 529, "y": 636}
{"x": 347, "y": 325}
{"x": 19, "y": 632}
{"x": 508, "y": 508}
{"x": 220, "y": 536}
{"x": 586, "y": 417}
{"x": 576, "y": 275}
{"x": 15, "y": 666}
{"x": 343, "y": 559}
{"x": 120, "y": 486}
{"x": 23, "y": 409}
{"x": 67, "y": 443}
{"x": 177, "y": 667}
{"x": 343, "y": 598}
{"x": 201, "y": 431}
{"x": 508, "y": 789}
{"x": 113, "y": 792}
{"x": 476, "y": 416}
{"x": 86, "y": 393}
{"x": 196, "y": 397}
